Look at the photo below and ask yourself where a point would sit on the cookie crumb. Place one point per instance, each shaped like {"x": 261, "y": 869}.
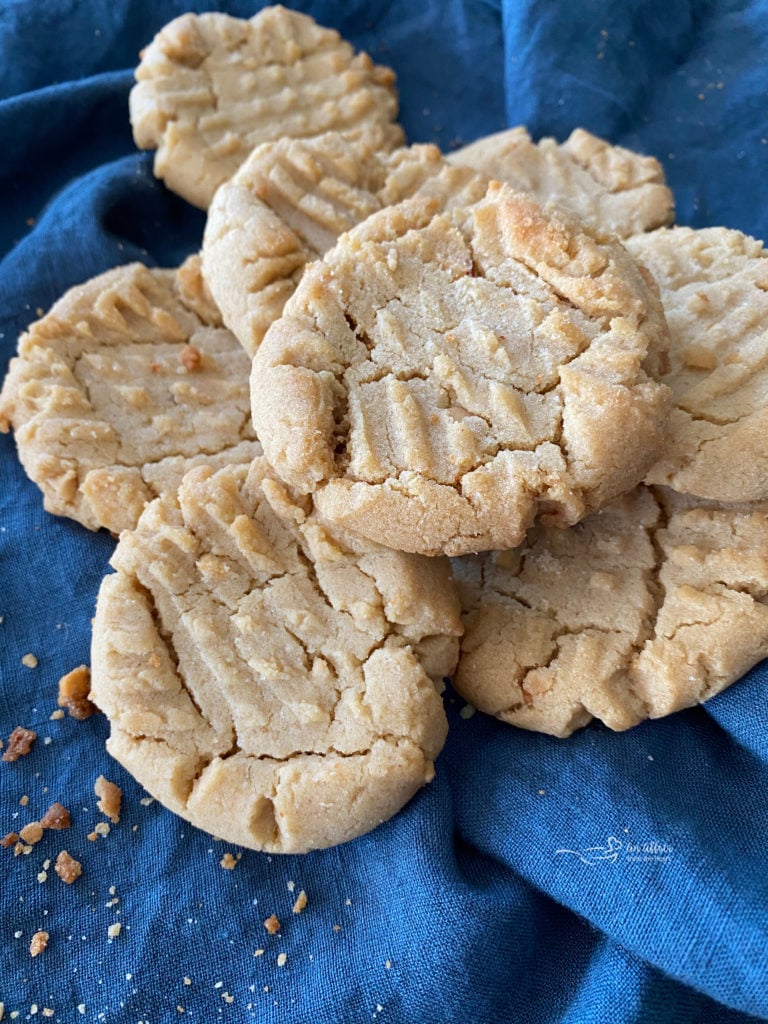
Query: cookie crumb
{"x": 56, "y": 715}
{"x": 56, "y": 817}
{"x": 29, "y": 661}
{"x": 387, "y": 964}
{"x": 258, "y": 952}
{"x": 114, "y": 930}
{"x": 24, "y": 800}
{"x": 190, "y": 358}
{"x": 272, "y": 924}
{"x": 47, "y": 1011}
{"x": 31, "y": 833}
{"x": 110, "y": 797}
{"x": 281, "y": 958}
{"x": 74, "y": 690}
{"x": 187, "y": 981}
{"x": 227, "y": 997}
{"x": 38, "y": 943}
{"x": 19, "y": 743}
{"x": 67, "y": 868}
{"x": 337, "y": 927}
{"x": 301, "y": 902}
{"x": 101, "y": 828}
{"x": 42, "y": 876}
{"x": 9, "y": 839}
{"x": 467, "y": 711}
{"x": 228, "y": 862}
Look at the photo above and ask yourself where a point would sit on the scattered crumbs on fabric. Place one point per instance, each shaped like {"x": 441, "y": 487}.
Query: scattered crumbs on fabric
{"x": 110, "y": 798}
{"x": 67, "y": 868}
{"x": 301, "y": 902}
{"x": 38, "y": 943}
{"x": 542, "y": 792}
{"x": 387, "y": 964}
{"x": 19, "y": 743}
{"x": 467, "y": 711}
{"x": 29, "y": 661}
{"x": 228, "y": 862}
{"x": 114, "y": 930}
{"x": 272, "y": 924}
{"x": 56, "y": 715}
{"x": 74, "y": 691}
{"x": 258, "y": 952}
{"x": 24, "y": 800}
{"x": 281, "y": 959}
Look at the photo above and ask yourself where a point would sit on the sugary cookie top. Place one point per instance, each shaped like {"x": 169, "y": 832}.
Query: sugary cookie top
{"x": 714, "y": 289}
{"x": 290, "y": 201}
{"x": 444, "y": 376}
{"x": 606, "y": 186}
{"x": 654, "y": 604}
{"x": 128, "y": 381}
{"x": 210, "y": 87}
{"x": 265, "y": 677}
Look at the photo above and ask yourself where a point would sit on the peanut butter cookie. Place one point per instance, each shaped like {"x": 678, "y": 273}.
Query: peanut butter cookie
{"x": 447, "y": 374}
{"x": 654, "y": 604}
{"x": 211, "y": 87}
{"x": 267, "y": 678}
{"x": 127, "y": 382}
{"x": 714, "y": 289}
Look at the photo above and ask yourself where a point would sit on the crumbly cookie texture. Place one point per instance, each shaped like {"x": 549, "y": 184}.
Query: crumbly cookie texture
{"x": 289, "y": 203}
{"x": 442, "y": 378}
{"x": 128, "y": 381}
{"x": 714, "y": 289}
{"x": 265, "y": 677}
{"x": 291, "y": 199}
{"x": 211, "y": 87}
{"x": 654, "y": 604}
{"x": 605, "y": 186}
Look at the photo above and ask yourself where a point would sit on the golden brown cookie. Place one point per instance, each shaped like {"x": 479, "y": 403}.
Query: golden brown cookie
{"x": 606, "y": 186}
{"x": 128, "y": 381}
{"x": 654, "y": 604}
{"x": 714, "y": 289}
{"x": 267, "y": 678}
{"x": 445, "y": 376}
{"x": 211, "y": 87}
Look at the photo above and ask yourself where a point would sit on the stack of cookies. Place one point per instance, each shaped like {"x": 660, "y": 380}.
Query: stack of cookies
{"x": 406, "y": 417}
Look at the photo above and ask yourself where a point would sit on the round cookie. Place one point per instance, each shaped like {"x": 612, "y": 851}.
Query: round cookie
{"x": 210, "y": 87}
{"x": 128, "y": 381}
{"x": 714, "y": 289}
{"x": 609, "y": 187}
{"x": 654, "y": 604}
{"x": 291, "y": 199}
{"x": 266, "y": 678}
{"x": 443, "y": 378}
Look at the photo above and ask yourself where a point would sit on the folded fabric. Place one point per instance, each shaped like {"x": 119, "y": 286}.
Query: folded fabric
{"x": 616, "y": 877}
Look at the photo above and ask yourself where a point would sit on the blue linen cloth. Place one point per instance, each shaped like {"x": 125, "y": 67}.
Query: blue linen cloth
{"x": 608, "y": 877}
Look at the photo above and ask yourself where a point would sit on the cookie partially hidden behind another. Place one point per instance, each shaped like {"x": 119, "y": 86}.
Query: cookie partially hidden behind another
{"x": 448, "y": 374}
{"x": 211, "y": 87}
{"x": 654, "y": 604}
{"x": 714, "y": 289}
{"x": 267, "y": 678}
{"x": 606, "y": 186}
{"x": 128, "y": 381}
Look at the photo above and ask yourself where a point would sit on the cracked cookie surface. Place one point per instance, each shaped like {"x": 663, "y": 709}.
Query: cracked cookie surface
{"x": 607, "y": 186}
{"x": 128, "y": 381}
{"x": 447, "y": 373}
{"x": 654, "y": 604}
{"x": 210, "y": 87}
{"x": 266, "y": 678}
{"x": 714, "y": 289}
{"x": 291, "y": 199}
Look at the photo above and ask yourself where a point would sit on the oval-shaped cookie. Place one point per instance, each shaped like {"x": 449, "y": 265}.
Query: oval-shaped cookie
{"x": 291, "y": 199}
{"x": 210, "y": 87}
{"x": 266, "y": 678}
{"x": 714, "y": 289}
{"x": 445, "y": 376}
{"x": 654, "y": 604}
{"x": 128, "y": 381}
